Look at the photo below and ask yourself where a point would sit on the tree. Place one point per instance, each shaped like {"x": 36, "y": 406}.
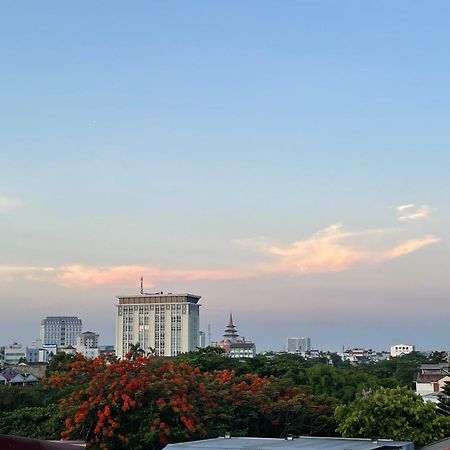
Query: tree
{"x": 33, "y": 422}
{"x": 443, "y": 406}
{"x": 152, "y": 401}
{"x": 135, "y": 351}
{"x": 394, "y": 414}
{"x": 438, "y": 357}
{"x": 60, "y": 362}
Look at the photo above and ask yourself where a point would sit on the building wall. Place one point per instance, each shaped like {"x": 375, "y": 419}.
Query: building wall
{"x": 13, "y": 353}
{"x": 298, "y": 344}
{"x": 401, "y": 349}
{"x": 61, "y": 330}
{"x": 169, "y": 324}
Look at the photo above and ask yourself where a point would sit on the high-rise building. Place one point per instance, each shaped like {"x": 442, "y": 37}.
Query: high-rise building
{"x": 202, "y": 339}
{"x": 236, "y": 346}
{"x": 168, "y": 324}
{"x": 60, "y": 330}
{"x": 298, "y": 345}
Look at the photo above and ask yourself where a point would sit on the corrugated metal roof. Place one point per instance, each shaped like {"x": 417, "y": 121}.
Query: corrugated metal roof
{"x": 302, "y": 443}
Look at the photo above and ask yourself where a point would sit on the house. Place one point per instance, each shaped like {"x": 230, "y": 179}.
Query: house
{"x": 10, "y": 376}
{"x": 431, "y": 380}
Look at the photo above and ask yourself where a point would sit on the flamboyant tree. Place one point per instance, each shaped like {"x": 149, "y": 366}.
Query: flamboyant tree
{"x": 152, "y": 401}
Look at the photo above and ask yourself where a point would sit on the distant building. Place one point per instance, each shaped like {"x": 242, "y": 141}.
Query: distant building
{"x": 401, "y": 350}
{"x": 60, "y": 330}
{"x": 87, "y": 345}
{"x": 298, "y": 345}
{"x": 10, "y": 376}
{"x": 106, "y": 350}
{"x": 47, "y": 352}
{"x": 14, "y": 353}
{"x": 234, "y": 345}
{"x": 88, "y": 339}
{"x": 167, "y": 323}
{"x": 202, "y": 339}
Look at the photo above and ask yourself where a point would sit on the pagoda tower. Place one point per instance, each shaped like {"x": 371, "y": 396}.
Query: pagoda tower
{"x": 230, "y": 334}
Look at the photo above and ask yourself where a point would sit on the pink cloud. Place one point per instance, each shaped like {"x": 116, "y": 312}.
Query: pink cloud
{"x": 330, "y": 250}
{"x": 333, "y": 250}
{"x": 77, "y": 275}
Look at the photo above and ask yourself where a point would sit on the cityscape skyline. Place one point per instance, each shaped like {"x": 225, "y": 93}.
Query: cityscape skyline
{"x": 288, "y": 162}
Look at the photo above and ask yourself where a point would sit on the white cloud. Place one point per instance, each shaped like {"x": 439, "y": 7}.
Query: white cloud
{"x": 8, "y": 203}
{"x": 413, "y": 213}
{"x": 405, "y": 207}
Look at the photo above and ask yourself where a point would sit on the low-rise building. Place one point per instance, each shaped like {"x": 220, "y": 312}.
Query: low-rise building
{"x": 431, "y": 380}
{"x": 401, "y": 350}
{"x": 14, "y": 353}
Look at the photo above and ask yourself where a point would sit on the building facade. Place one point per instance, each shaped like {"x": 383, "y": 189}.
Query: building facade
{"x": 14, "y": 353}
{"x": 401, "y": 349}
{"x": 167, "y": 324}
{"x": 60, "y": 330}
{"x": 88, "y": 339}
{"x": 298, "y": 345}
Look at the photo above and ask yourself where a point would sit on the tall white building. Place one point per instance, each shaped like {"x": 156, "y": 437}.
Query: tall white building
{"x": 166, "y": 323}
{"x": 60, "y": 330}
{"x": 298, "y": 344}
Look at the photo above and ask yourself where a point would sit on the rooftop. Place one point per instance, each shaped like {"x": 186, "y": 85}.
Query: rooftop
{"x": 158, "y": 297}
{"x": 302, "y": 443}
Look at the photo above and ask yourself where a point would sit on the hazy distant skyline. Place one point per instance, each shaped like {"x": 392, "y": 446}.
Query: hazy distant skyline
{"x": 287, "y": 161}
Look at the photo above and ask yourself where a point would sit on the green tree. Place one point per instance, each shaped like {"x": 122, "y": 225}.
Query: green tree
{"x": 437, "y": 357}
{"x": 392, "y": 414}
{"x": 135, "y": 351}
{"x": 443, "y": 406}
{"x": 60, "y": 362}
{"x": 33, "y": 422}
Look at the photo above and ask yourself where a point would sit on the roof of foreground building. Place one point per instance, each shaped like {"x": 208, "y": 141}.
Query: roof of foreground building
{"x": 21, "y": 443}
{"x": 301, "y": 443}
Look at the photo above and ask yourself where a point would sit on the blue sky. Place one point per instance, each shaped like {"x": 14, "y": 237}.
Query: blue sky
{"x": 208, "y": 145}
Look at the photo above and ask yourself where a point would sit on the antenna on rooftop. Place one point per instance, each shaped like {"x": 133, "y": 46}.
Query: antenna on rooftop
{"x": 142, "y": 284}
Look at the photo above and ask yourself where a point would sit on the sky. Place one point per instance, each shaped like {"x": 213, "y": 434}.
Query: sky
{"x": 287, "y": 161}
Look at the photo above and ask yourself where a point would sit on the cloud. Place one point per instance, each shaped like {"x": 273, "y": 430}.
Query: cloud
{"x": 78, "y": 275}
{"x": 413, "y": 213}
{"x": 12, "y": 273}
{"x": 8, "y": 203}
{"x": 402, "y": 208}
{"x": 334, "y": 250}
{"x": 409, "y": 246}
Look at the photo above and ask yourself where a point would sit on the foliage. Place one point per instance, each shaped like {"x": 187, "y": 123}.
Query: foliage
{"x": 443, "y": 406}
{"x": 392, "y": 413}
{"x": 399, "y": 371}
{"x": 437, "y": 357}
{"x": 153, "y": 401}
{"x": 340, "y": 383}
{"x": 17, "y": 396}
{"x": 37, "y": 422}
{"x": 60, "y": 362}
